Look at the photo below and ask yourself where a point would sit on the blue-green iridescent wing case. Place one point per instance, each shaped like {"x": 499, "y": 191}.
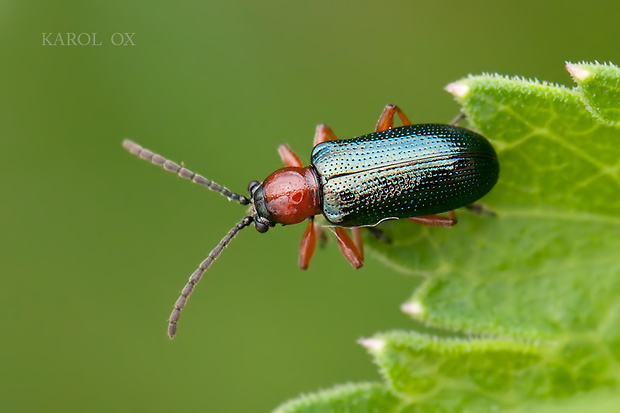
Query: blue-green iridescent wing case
{"x": 403, "y": 172}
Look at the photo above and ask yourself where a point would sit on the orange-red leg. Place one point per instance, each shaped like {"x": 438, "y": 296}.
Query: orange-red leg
{"x": 437, "y": 220}
{"x": 308, "y": 243}
{"x": 323, "y": 134}
{"x": 386, "y": 120}
{"x": 288, "y": 156}
{"x": 357, "y": 238}
{"x": 308, "y": 240}
{"x": 348, "y": 248}
{"x": 352, "y": 249}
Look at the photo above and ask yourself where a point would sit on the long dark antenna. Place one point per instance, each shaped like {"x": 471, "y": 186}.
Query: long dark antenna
{"x": 197, "y": 275}
{"x": 168, "y": 165}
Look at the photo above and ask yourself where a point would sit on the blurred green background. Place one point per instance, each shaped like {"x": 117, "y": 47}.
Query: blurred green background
{"x": 97, "y": 244}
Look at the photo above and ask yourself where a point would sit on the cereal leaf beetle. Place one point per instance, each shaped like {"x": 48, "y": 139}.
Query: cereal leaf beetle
{"x": 412, "y": 171}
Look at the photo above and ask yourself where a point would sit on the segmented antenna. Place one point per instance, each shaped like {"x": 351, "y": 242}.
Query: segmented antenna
{"x": 168, "y": 165}
{"x": 197, "y": 275}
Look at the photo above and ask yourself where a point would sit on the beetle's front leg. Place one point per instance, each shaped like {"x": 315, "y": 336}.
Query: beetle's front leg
{"x": 289, "y": 158}
{"x": 308, "y": 243}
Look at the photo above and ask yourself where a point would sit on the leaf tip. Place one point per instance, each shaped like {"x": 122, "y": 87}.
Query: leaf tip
{"x": 577, "y": 72}
{"x": 413, "y": 308}
{"x": 458, "y": 90}
{"x": 375, "y": 345}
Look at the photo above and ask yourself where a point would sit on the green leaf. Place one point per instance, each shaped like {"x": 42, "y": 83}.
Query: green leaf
{"x": 599, "y": 86}
{"x": 483, "y": 374}
{"x": 601, "y": 401}
{"x": 540, "y": 281}
{"x": 349, "y": 398}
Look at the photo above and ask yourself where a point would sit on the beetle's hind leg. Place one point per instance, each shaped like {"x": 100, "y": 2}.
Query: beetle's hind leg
{"x": 436, "y": 220}
{"x": 458, "y": 118}
{"x": 480, "y": 209}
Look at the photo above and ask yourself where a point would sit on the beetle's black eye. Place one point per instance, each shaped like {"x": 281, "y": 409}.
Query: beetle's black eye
{"x": 252, "y": 186}
{"x": 260, "y": 227}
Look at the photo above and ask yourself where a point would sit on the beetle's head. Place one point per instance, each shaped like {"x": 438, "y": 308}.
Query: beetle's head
{"x": 288, "y": 196}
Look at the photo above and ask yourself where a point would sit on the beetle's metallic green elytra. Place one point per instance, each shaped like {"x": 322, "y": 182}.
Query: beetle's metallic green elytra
{"x": 403, "y": 172}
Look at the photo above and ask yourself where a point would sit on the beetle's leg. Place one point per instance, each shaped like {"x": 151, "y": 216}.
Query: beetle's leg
{"x": 480, "y": 209}
{"x": 288, "y": 156}
{"x": 436, "y": 220}
{"x": 386, "y": 120}
{"x": 357, "y": 238}
{"x": 323, "y": 134}
{"x": 348, "y": 248}
{"x": 458, "y": 118}
{"x": 379, "y": 234}
{"x": 321, "y": 236}
{"x": 308, "y": 242}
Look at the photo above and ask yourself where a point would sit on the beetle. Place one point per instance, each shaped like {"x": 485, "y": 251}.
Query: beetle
{"x": 412, "y": 171}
